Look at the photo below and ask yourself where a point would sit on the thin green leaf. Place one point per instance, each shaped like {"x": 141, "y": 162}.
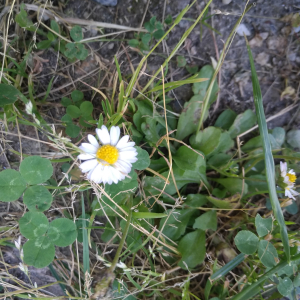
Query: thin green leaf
{"x": 269, "y": 160}
{"x": 86, "y": 257}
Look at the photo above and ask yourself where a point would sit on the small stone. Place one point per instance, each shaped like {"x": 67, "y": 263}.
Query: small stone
{"x": 110, "y": 46}
{"x": 262, "y": 58}
{"x": 278, "y": 43}
{"x": 226, "y": 1}
{"x": 292, "y": 56}
{"x": 242, "y": 29}
{"x": 194, "y": 51}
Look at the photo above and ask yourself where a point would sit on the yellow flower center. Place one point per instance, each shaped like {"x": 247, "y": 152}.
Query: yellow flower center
{"x": 108, "y": 153}
{"x": 292, "y": 177}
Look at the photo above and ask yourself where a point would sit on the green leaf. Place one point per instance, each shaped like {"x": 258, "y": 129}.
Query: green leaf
{"x": 33, "y": 224}
{"x": 82, "y": 52}
{"x": 54, "y": 26}
{"x": 189, "y": 118}
{"x": 36, "y": 169}
{"x": 263, "y": 226}
{"x": 246, "y": 242}
{"x": 23, "y": 20}
{"x": 37, "y": 198}
{"x": 192, "y": 249}
{"x": 206, "y": 221}
{"x": 221, "y": 203}
{"x": 76, "y": 33}
{"x": 66, "y": 118}
{"x": 168, "y": 19}
{"x": 70, "y": 50}
{"x": 267, "y": 254}
{"x": 133, "y": 43}
{"x": 195, "y": 200}
{"x": 268, "y": 156}
{"x": 206, "y": 141}
{"x": 296, "y": 281}
{"x": 12, "y": 185}
{"x": 146, "y": 38}
{"x": 77, "y": 95}
{"x": 9, "y": 94}
{"x": 242, "y": 123}
{"x": 181, "y": 61}
{"x": 66, "y": 101}
{"x": 234, "y": 185}
{"x": 279, "y": 136}
{"x": 288, "y": 270}
{"x": 38, "y": 252}
{"x": 73, "y": 111}
{"x": 226, "y": 119}
{"x": 148, "y": 215}
{"x": 158, "y": 34}
{"x": 44, "y": 44}
{"x": 185, "y": 158}
{"x": 293, "y": 138}
{"x": 285, "y": 286}
{"x": 143, "y": 161}
{"x": 62, "y": 232}
{"x": 72, "y": 130}
{"x": 149, "y": 27}
{"x": 86, "y": 108}
{"x": 175, "y": 225}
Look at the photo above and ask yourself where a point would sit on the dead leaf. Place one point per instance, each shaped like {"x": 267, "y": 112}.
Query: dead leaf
{"x": 262, "y": 58}
{"x": 289, "y": 92}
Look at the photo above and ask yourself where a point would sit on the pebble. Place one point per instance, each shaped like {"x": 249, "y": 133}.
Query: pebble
{"x": 242, "y": 29}
{"x": 107, "y": 2}
{"x": 226, "y": 1}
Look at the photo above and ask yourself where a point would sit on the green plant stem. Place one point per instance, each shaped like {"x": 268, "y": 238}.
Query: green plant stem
{"x": 250, "y": 291}
{"x": 124, "y": 235}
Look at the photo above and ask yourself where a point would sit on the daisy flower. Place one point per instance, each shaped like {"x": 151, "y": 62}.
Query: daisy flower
{"x": 288, "y": 179}
{"x": 110, "y": 160}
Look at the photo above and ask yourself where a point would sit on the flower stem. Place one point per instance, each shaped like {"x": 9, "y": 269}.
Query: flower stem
{"x": 124, "y": 235}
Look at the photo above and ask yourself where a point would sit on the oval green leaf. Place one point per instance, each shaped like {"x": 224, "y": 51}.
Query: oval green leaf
{"x": 9, "y": 94}
{"x": 62, "y": 232}
{"x": 12, "y": 185}
{"x": 206, "y": 221}
{"x": 33, "y": 224}
{"x": 192, "y": 249}
{"x": 246, "y": 242}
{"x": 76, "y": 33}
{"x": 37, "y": 198}
{"x": 147, "y": 215}
{"x": 143, "y": 161}
{"x": 285, "y": 286}
{"x": 73, "y": 111}
{"x": 86, "y": 108}
{"x": 39, "y": 252}
{"x": 263, "y": 226}
{"x": 35, "y": 169}
{"x": 267, "y": 254}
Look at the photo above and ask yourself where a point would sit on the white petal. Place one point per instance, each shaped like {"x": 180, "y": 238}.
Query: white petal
{"x": 130, "y": 159}
{"x": 114, "y": 135}
{"x": 127, "y": 155}
{"x": 295, "y": 193}
{"x": 289, "y": 194}
{"x": 88, "y": 148}
{"x": 88, "y": 165}
{"x": 128, "y": 147}
{"x": 108, "y": 176}
{"x": 122, "y": 142}
{"x": 115, "y": 174}
{"x": 125, "y": 168}
{"x": 86, "y": 156}
{"x": 93, "y": 141}
{"x": 103, "y": 135}
{"x": 97, "y": 173}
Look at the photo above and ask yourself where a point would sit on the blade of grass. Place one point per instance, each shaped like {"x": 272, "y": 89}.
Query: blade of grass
{"x": 218, "y": 67}
{"x": 86, "y": 257}
{"x": 185, "y": 35}
{"x": 269, "y": 160}
{"x": 251, "y": 290}
{"x": 228, "y": 267}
